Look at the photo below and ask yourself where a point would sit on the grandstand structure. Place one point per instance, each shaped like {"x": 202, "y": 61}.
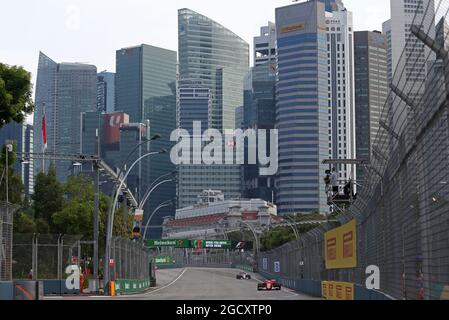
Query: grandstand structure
{"x": 212, "y": 216}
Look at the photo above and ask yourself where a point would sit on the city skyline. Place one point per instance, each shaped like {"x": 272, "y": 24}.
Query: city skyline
{"x": 103, "y": 28}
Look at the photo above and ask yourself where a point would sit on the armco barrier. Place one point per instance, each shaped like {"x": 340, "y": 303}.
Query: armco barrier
{"x": 6, "y": 291}
{"x": 124, "y": 287}
{"x": 361, "y": 293}
{"x": 313, "y": 288}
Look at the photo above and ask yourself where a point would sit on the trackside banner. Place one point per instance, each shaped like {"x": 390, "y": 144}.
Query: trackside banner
{"x": 337, "y": 290}
{"x": 340, "y": 247}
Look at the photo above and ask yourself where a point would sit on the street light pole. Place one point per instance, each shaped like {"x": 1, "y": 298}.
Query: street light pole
{"x": 96, "y": 214}
{"x": 162, "y": 205}
{"x": 111, "y": 213}
{"x": 289, "y": 220}
{"x": 147, "y": 196}
{"x": 9, "y": 148}
{"x": 257, "y": 242}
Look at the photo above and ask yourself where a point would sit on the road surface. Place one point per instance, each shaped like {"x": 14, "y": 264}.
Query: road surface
{"x": 207, "y": 284}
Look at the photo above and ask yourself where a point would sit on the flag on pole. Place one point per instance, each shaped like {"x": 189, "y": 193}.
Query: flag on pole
{"x": 44, "y": 133}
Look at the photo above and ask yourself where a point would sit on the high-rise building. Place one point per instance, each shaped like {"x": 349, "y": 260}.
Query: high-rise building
{"x": 371, "y": 91}
{"x": 21, "y": 135}
{"x": 302, "y": 116}
{"x": 442, "y": 33}
{"x": 408, "y": 53}
{"x": 146, "y": 90}
{"x": 265, "y": 46}
{"x": 106, "y": 92}
{"x": 340, "y": 47}
{"x": 63, "y": 92}
{"x": 260, "y": 108}
{"x": 219, "y": 60}
{"x": 193, "y": 104}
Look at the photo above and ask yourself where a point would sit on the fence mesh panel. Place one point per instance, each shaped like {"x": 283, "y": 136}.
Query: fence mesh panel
{"x": 131, "y": 260}
{"x": 402, "y": 208}
{"x": 6, "y": 229}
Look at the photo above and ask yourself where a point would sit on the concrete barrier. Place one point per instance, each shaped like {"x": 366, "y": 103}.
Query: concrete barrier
{"x": 28, "y": 290}
{"x": 6, "y": 290}
{"x": 57, "y": 288}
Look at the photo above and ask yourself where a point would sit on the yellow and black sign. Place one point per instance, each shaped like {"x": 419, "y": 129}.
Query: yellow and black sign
{"x": 332, "y": 290}
{"x": 340, "y": 247}
{"x": 293, "y": 27}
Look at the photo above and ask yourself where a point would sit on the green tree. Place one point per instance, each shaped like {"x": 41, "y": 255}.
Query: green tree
{"x": 77, "y": 214}
{"x": 24, "y": 223}
{"x": 15, "y": 185}
{"x": 15, "y": 94}
{"x": 48, "y": 196}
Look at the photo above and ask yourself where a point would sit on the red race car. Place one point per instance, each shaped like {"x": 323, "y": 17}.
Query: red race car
{"x": 269, "y": 285}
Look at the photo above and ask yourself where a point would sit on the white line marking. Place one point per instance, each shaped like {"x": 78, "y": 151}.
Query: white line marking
{"x": 168, "y": 285}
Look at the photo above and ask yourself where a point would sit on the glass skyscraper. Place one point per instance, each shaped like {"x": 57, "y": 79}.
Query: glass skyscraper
{"x": 302, "y": 107}
{"x": 371, "y": 88}
{"x": 22, "y": 136}
{"x": 146, "y": 90}
{"x": 106, "y": 92}
{"x": 64, "y": 91}
{"x": 218, "y": 59}
{"x": 260, "y": 108}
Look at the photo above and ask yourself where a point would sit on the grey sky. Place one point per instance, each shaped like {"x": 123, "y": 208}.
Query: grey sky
{"x": 103, "y": 26}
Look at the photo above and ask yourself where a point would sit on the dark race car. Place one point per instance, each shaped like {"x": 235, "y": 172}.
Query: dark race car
{"x": 243, "y": 275}
{"x": 269, "y": 285}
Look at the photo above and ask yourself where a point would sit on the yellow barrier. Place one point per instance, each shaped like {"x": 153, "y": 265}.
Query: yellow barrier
{"x": 332, "y": 290}
{"x": 112, "y": 289}
{"x": 340, "y": 247}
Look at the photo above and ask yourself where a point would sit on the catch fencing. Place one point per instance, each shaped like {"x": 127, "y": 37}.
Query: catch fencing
{"x": 6, "y": 230}
{"x": 131, "y": 260}
{"x": 46, "y": 256}
{"x": 402, "y": 207}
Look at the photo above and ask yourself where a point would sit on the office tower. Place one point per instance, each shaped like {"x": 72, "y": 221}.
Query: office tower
{"x": 106, "y": 92}
{"x": 442, "y": 32}
{"x": 265, "y": 46}
{"x": 146, "y": 91}
{"x": 340, "y": 47}
{"x": 219, "y": 59}
{"x": 193, "y": 104}
{"x": 260, "y": 108}
{"x": 21, "y": 135}
{"x": 239, "y": 117}
{"x": 371, "y": 91}
{"x": 63, "y": 92}
{"x": 333, "y": 5}
{"x": 406, "y": 52}
{"x": 302, "y": 107}
{"x": 91, "y": 129}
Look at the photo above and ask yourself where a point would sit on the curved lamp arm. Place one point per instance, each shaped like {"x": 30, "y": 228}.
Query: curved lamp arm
{"x": 163, "y": 205}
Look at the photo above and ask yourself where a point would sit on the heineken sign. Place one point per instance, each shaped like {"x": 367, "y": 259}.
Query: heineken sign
{"x": 165, "y": 261}
{"x": 195, "y": 244}
{"x": 169, "y": 243}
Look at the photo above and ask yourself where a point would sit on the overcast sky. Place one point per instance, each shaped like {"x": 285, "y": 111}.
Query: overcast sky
{"x": 91, "y": 30}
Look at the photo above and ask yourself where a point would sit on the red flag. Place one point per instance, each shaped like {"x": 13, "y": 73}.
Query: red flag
{"x": 44, "y": 133}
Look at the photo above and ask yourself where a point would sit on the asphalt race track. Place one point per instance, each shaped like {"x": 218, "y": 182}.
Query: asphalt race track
{"x": 205, "y": 284}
